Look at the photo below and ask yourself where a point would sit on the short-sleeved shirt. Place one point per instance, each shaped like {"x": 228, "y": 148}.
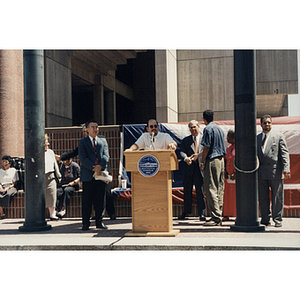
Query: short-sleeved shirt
{"x": 49, "y": 161}
{"x": 160, "y": 141}
{"x": 8, "y": 177}
{"x": 213, "y": 137}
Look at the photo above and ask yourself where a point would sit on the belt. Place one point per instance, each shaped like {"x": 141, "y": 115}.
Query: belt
{"x": 217, "y": 157}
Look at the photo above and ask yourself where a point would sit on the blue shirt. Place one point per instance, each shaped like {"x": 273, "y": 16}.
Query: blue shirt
{"x": 213, "y": 137}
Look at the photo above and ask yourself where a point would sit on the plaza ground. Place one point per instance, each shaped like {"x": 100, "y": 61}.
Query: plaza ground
{"x": 66, "y": 234}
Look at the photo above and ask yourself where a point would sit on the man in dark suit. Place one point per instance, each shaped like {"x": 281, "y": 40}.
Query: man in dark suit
{"x": 190, "y": 146}
{"x": 94, "y": 157}
{"x": 274, "y": 166}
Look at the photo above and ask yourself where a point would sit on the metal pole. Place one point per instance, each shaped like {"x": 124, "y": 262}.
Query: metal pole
{"x": 245, "y": 142}
{"x": 34, "y": 120}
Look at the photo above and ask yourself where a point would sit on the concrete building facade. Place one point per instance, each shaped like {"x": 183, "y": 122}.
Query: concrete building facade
{"x": 131, "y": 86}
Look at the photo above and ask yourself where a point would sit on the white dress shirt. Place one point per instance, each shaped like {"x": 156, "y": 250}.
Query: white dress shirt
{"x": 160, "y": 141}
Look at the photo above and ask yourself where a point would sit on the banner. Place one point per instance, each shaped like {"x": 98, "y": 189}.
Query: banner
{"x": 289, "y": 126}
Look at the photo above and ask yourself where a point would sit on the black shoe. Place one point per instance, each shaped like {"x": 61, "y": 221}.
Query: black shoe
{"x": 93, "y": 218}
{"x": 265, "y": 222}
{"x": 278, "y": 224}
{"x": 85, "y": 227}
{"x": 112, "y": 217}
{"x": 202, "y": 218}
{"x": 101, "y": 225}
{"x": 212, "y": 223}
{"x": 54, "y": 219}
{"x": 182, "y": 217}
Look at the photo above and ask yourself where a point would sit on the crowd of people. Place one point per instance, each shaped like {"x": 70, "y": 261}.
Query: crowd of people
{"x": 64, "y": 176}
{"x": 207, "y": 165}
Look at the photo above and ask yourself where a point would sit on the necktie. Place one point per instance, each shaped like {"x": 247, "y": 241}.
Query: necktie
{"x": 95, "y": 148}
{"x": 263, "y": 141}
{"x": 67, "y": 173}
{"x": 196, "y": 145}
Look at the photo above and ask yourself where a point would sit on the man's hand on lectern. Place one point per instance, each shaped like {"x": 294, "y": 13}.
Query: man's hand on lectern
{"x": 172, "y": 146}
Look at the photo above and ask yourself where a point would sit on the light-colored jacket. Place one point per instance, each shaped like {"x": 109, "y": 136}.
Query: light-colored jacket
{"x": 275, "y": 159}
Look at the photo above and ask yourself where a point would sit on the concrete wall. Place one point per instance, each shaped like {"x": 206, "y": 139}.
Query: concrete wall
{"x": 205, "y": 80}
{"x": 276, "y": 72}
{"x": 294, "y": 100}
{"x": 58, "y": 86}
{"x": 166, "y": 86}
{"x": 276, "y": 76}
{"x": 186, "y": 82}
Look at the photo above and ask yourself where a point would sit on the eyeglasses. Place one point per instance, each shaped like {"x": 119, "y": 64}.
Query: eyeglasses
{"x": 153, "y": 126}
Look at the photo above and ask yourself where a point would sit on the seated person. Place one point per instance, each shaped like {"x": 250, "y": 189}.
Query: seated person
{"x": 70, "y": 172}
{"x": 8, "y": 180}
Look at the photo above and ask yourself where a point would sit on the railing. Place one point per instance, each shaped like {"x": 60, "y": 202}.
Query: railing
{"x": 65, "y": 139}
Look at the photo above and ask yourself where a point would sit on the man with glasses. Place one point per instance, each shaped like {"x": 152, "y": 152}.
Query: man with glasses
{"x": 153, "y": 139}
{"x": 190, "y": 146}
{"x": 94, "y": 157}
{"x": 274, "y": 162}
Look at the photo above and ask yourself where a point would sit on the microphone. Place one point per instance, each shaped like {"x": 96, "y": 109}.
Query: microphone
{"x": 152, "y": 136}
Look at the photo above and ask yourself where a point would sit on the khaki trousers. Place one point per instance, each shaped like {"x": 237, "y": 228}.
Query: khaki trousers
{"x": 214, "y": 186}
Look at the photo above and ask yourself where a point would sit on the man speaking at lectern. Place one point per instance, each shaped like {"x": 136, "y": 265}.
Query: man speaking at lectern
{"x": 153, "y": 139}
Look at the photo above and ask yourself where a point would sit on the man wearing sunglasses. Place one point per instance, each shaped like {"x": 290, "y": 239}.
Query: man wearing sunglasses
{"x": 153, "y": 139}
{"x": 274, "y": 162}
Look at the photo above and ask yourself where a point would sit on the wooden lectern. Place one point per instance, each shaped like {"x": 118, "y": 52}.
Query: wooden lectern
{"x": 151, "y": 188}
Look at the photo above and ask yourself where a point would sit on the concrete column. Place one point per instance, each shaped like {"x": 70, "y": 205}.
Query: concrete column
{"x": 166, "y": 86}
{"x": 110, "y": 116}
{"x": 99, "y": 101}
{"x": 34, "y": 109}
{"x": 58, "y": 88}
{"x": 11, "y": 103}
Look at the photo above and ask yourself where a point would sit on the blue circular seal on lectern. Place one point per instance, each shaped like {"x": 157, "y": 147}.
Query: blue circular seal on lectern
{"x": 148, "y": 165}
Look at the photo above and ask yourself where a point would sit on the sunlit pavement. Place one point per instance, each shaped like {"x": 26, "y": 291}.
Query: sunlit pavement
{"x": 66, "y": 234}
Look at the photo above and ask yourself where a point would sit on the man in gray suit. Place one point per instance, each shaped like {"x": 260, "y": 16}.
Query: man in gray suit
{"x": 274, "y": 166}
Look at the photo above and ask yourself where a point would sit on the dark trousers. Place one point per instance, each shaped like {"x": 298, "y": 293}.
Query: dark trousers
{"x": 6, "y": 198}
{"x": 93, "y": 194}
{"x": 277, "y": 195}
{"x": 194, "y": 178}
{"x": 64, "y": 195}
